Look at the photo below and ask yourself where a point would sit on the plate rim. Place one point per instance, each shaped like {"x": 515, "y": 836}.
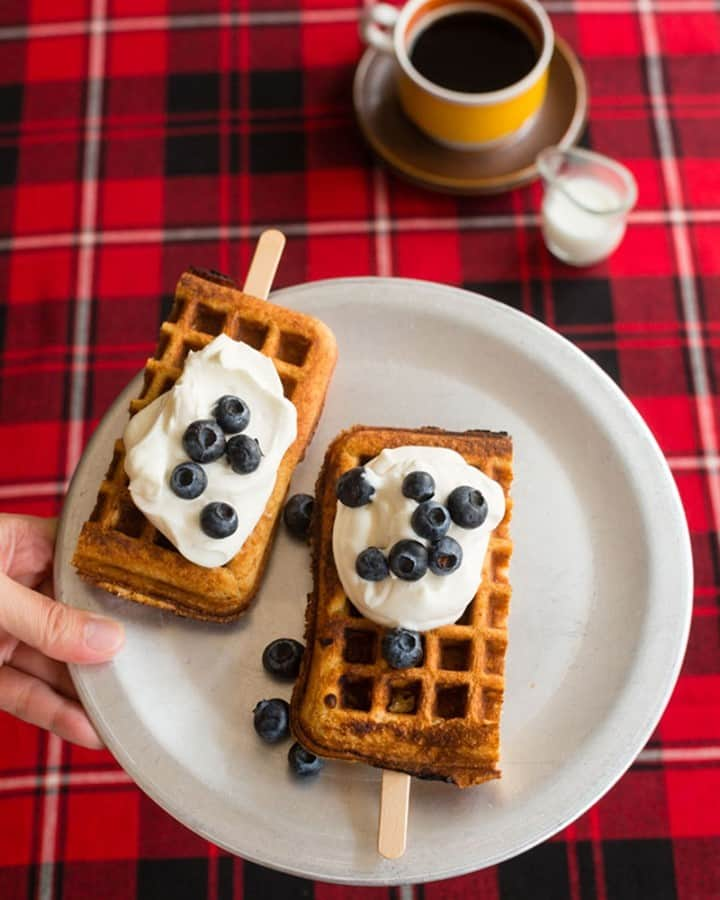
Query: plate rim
{"x": 78, "y": 673}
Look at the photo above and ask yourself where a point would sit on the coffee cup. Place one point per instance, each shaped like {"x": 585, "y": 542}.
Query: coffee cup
{"x": 470, "y": 74}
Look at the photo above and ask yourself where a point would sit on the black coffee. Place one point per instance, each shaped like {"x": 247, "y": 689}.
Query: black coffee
{"x": 473, "y": 52}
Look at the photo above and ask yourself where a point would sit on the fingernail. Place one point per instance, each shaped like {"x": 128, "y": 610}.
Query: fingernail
{"x": 103, "y": 635}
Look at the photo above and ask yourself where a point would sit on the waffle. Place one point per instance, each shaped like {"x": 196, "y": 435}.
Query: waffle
{"x": 440, "y": 720}
{"x": 119, "y": 549}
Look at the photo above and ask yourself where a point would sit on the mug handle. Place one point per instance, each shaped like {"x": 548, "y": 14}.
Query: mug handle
{"x": 376, "y": 26}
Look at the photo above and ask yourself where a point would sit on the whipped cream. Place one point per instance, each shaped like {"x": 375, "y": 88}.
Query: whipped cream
{"x": 153, "y": 443}
{"x": 433, "y": 600}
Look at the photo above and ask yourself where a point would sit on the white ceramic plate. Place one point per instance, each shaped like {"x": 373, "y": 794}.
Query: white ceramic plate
{"x": 602, "y": 582}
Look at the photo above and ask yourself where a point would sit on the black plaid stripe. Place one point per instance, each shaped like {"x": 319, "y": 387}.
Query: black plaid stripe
{"x": 586, "y": 303}
{"x": 198, "y": 92}
{"x": 11, "y": 101}
{"x": 639, "y": 869}
{"x": 270, "y": 885}
{"x": 276, "y": 89}
{"x": 541, "y": 873}
{"x": 179, "y": 879}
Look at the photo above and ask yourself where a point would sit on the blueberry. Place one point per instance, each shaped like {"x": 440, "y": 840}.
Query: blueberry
{"x": 418, "y": 486}
{"x": 297, "y": 515}
{"x": 232, "y": 414}
{"x": 302, "y": 762}
{"x": 408, "y": 560}
{"x": 402, "y": 648}
{"x": 204, "y": 441}
{"x": 188, "y": 480}
{"x": 353, "y": 488}
{"x": 218, "y": 520}
{"x": 272, "y": 720}
{"x": 372, "y": 565}
{"x": 467, "y": 506}
{"x": 445, "y": 556}
{"x": 244, "y": 454}
{"x": 282, "y": 658}
{"x": 430, "y": 520}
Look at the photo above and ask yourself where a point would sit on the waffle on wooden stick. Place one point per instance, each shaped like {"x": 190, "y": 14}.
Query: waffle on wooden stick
{"x": 441, "y": 719}
{"x": 119, "y": 549}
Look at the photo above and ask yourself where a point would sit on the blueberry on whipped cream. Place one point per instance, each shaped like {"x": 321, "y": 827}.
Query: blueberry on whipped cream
{"x": 372, "y": 565}
{"x": 203, "y": 497}
{"x": 418, "y": 486}
{"x": 410, "y": 535}
{"x": 430, "y": 520}
{"x": 445, "y": 556}
{"x": 188, "y": 480}
{"x": 244, "y": 454}
{"x": 467, "y": 506}
{"x": 204, "y": 441}
{"x": 232, "y": 414}
{"x": 218, "y": 520}
{"x": 408, "y": 560}
{"x": 354, "y": 489}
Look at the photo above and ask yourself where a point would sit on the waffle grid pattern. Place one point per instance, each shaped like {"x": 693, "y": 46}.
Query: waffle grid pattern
{"x": 192, "y": 324}
{"x": 119, "y": 549}
{"x": 451, "y": 704}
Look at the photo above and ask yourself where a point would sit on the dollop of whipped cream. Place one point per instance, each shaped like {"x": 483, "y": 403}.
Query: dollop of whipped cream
{"x": 433, "y": 600}
{"x": 153, "y": 443}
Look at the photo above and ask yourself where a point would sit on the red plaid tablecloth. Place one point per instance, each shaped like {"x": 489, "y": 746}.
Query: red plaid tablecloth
{"x": 139, "y": 136}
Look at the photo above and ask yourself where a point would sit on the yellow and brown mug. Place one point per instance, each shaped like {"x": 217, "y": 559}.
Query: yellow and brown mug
{"x": 466, "y": 121}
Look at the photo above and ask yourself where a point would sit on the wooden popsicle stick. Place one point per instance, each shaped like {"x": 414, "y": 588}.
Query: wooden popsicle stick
{"x": 264, "y": 263}
{"x": 394, "y": 799}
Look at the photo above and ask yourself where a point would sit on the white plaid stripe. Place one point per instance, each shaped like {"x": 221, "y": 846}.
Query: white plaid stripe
{"x": 310, "y": 17}
{"x": 328, "y": 228}
{"x": 683, "y": 251}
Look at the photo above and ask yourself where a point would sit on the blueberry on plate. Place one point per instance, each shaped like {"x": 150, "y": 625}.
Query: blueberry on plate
{"x": 188, "y": 480}
{"x": 371, "y": 565}
{"x": 402, "y": 648}
{"x": 244, "y": 454}
{"x": 353, "y": 488}
{"x": 418, "y": 486}
{"x": 467, "y": 506}
{"x": 445, "y": 556}
{"x": 408, "y": 560}
{"x": 282, "y": 658}
{"x": 302, "y": 762}
{"x": 297, "y": 515}
{"x": 204, "y": 441}
{"x": 430, "y": 520}
{"x": 218, "y": 520}
{"x": 271, "y": 719}
{"x": 232, "y": 414}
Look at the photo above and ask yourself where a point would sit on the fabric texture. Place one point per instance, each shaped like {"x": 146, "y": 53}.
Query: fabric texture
{"x": 140, "y": 136}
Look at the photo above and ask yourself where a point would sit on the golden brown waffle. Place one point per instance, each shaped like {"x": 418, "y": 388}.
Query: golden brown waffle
{"x": 118, "y": 548}
{"x": 440, "y": 720}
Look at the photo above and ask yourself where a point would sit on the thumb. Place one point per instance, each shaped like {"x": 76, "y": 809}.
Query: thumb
{"x": 58, "y": 631}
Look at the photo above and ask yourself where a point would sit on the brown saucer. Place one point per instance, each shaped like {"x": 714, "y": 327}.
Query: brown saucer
{"x": 415, "y": 157}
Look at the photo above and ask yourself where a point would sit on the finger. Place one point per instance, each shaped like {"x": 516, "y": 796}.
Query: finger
{"x": 26, "y": 547}
{"x": 33, "y": 701}
{"x": 58, "y": 631}
{"x": 33, "y": 662}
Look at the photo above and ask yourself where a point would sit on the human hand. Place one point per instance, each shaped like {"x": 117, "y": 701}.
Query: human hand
{"x": 38, "y": 636}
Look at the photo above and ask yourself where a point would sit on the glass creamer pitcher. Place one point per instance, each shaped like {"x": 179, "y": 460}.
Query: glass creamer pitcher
{"x": 585, "y": 205}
